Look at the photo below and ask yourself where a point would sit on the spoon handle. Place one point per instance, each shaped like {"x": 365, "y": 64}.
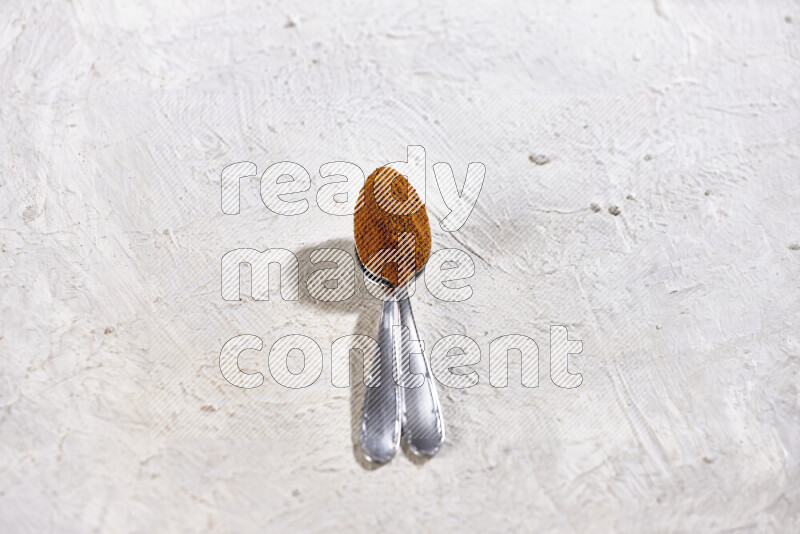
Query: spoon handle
{"x": 380, "y": 422}
{"x": 423, "y": 424}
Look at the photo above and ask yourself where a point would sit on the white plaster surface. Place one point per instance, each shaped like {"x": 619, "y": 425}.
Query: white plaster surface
{"x": 116, "y": 119}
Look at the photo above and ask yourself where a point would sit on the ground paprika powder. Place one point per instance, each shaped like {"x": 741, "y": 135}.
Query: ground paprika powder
{"x": 388, "y": 214}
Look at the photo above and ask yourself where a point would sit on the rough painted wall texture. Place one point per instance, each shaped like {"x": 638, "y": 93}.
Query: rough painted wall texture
{"x": 680, "y": 117}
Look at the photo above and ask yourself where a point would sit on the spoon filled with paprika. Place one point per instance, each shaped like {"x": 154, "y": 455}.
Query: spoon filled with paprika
{"x": 393, "y": 243}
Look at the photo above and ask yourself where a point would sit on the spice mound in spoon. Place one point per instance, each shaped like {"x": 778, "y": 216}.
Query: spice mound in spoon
{"x": 388, "y": 212}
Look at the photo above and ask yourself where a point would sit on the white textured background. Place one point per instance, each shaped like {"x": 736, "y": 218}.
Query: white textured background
{"x": 116, "y": 119}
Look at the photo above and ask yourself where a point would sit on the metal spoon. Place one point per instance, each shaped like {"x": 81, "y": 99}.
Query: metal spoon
{"x": 380, "y": 422}
{"x": 420, "y": 412}
{"x": 422, "y": 422}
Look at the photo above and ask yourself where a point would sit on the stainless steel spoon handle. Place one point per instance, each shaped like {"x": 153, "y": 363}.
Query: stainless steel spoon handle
{"x": 380, "y": 422}
{"x": 423, "y": 425}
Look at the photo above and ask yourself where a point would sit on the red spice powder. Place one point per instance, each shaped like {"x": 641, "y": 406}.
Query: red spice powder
{"x": 388, "y": 212}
